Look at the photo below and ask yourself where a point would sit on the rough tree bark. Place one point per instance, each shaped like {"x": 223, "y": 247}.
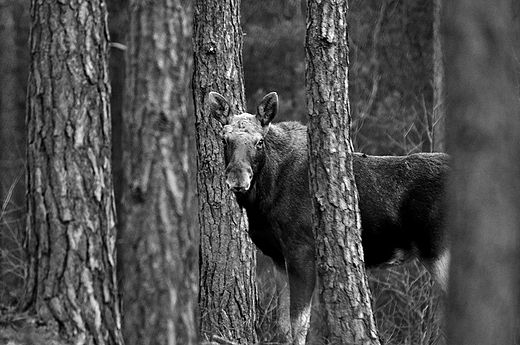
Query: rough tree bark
{"x": 227, "y": 298}
{"x": 483, "y": 138}
{"x": 70, "y": 241}
{"x": 159, "y": 234}
{"x": 345, "y": 300}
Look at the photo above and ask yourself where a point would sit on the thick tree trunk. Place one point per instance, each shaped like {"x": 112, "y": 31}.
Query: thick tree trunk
{"x": 483, "y": 137}
{"x": 227, "y": 298}
{"x": 343, "y": 287}
{"x": 71, "y": 235}
{"x": 159, "y": 242}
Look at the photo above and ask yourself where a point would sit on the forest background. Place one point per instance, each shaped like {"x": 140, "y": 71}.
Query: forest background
{"x": 392, "y": 104}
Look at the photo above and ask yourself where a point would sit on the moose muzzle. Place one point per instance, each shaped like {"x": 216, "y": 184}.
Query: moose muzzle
{"x": 238, "y": 178}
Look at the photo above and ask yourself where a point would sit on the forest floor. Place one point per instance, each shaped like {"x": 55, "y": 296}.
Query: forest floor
{"x": 22, "y": 329}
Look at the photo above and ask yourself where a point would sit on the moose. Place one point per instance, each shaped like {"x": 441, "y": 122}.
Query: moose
{"x": 401, "y": 200}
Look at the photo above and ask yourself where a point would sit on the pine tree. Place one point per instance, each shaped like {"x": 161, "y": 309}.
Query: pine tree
{"x": 342, "y": 285}
{"x": 483, "y": 126}
{"x": 159, "y": 235}
{"x": 227, "y": 256}
{"x": 71, "y": 230}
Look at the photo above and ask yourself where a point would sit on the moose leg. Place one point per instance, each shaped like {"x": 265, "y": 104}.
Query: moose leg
{"x": 302, "y": 280}
{"x": 283, "y": 317}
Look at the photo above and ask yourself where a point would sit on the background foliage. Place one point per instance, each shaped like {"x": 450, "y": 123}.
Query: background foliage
{"x": 390, "y": 75}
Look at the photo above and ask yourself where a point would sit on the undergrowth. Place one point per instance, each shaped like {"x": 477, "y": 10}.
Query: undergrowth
{"x": 407, "y": 306}
{"x": 12, "y": 259}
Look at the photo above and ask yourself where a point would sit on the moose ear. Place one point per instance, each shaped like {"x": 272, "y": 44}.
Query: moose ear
{"x": 267, "y": 109}
{"x": 219, "y": 108}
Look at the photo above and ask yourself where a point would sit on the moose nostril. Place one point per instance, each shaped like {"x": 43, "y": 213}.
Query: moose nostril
{"x": 238, "y": 189}
{"x": 239, "y": 179}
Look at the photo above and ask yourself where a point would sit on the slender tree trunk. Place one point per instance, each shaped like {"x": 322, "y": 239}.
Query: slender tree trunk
{"x": 70, "y": 241}
{"x": 227, "y": 298}
{"x": 159, "y": 244}
{"x": 438, "y": 127}
{"x": 483, "y": 137}
{"x": 343, "y": 287}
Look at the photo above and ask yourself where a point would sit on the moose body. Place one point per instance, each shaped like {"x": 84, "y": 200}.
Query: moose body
{"x": 401, "y": 200}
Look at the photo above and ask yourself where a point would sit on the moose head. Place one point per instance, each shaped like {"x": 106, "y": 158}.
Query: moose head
{"x": 243, "y": 137}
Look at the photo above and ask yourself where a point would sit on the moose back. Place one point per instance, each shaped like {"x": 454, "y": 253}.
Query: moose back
{"x": 401, "y": 200}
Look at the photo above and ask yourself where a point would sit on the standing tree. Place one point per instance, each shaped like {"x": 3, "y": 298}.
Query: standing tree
{"x": 343, "y": 286}
{"x": 71, "y": 233}
{"x": 227, "y": 297}
{"x": 159, "y": 239}
{"x": 483, "y": 137}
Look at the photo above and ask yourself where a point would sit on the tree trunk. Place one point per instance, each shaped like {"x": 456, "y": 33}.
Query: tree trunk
{"x": 227, "y": 298}
{"x": 343, "y": 287}
{"x": 438, "y": 128}
{"x": 483, "y": 126}
{"x": 159, "y": 242}
{"x": 71, "y": 233}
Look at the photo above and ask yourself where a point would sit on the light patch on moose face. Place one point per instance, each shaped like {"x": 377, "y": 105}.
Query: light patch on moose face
{"x": 227, "y": 129}
{"x": 244, "y": 123}
{"x": 245, "y": 128}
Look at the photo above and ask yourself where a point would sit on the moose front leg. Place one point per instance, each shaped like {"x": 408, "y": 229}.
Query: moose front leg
{"x": 302, "y": 279}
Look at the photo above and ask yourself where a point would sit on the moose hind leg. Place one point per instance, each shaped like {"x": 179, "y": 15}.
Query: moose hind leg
{"x": 300, "y": 309}
{"x": 302, "y": 280}
{"x": 283, "y": 317}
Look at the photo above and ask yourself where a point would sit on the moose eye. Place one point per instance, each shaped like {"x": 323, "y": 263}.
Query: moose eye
{"x": 259, "y": 144}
